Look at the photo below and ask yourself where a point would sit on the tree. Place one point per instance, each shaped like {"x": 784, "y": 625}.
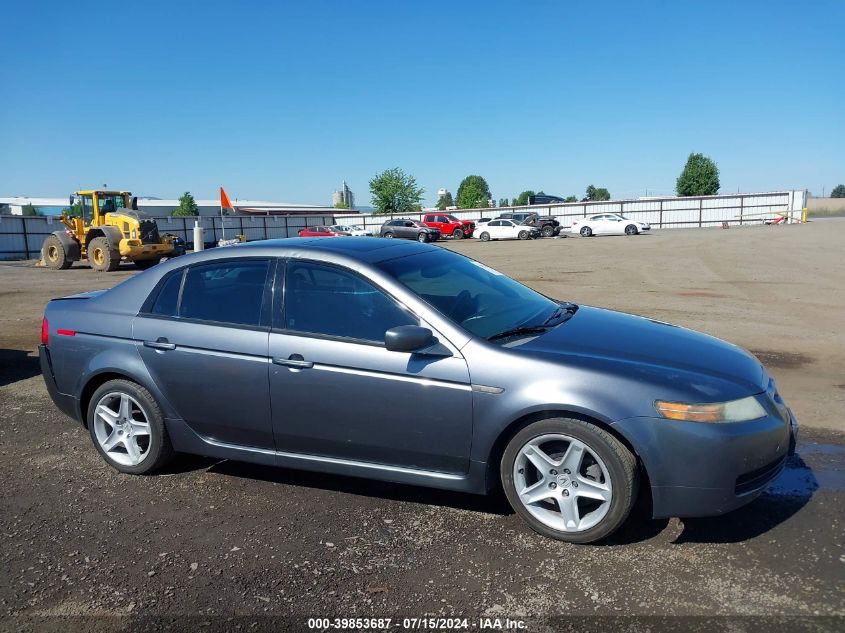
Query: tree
{"x": 445, "y": 201}
{"x": 522, "y": 199}
{"x": 341, "y": 205}
{"x": 596, "y": 193}
{"x": 571, "y": 198}
{"x": 394, "y": 191}
{"x": 503, "y": 202}
{"x": 838, "y": 192}
{"x": 700, "y": 177}
{"x": 473, "y": 192}
{"x": 187, "y": 206}
{"x": 29, "y": 210}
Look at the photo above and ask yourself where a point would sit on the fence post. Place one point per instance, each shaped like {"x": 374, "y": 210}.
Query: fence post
{"x": 25, "y": 238}
{"x": 264, "y": 218}
{"x": 287, "y": 230}
{"x": 700, "y": 211}
{"x": 741, "y": 208}
{"x": 660, "y": 221}
{"x": 241, "y": 220}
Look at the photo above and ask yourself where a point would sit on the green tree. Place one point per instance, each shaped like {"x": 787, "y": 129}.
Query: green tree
{"x": 187, "y": 206}
{"x": 700, "y": 177}
{"x": 394, "y": 191}
{"x": 571, "y": 198}
{"x": 522, "y": 199}
{"x": 503, "y": 202}
{"x": 838, "y": 192}
{"x": 445, "y": 201}
{"x": 596, "y": 193}
{"x": 473, "y": 192}
{"x": 341, "y": 205}
{"x": 29, "y": 210}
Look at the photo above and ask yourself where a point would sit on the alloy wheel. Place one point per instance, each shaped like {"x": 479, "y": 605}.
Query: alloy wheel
{"x": 122, "y": 429}
{"x": 562, "y": 482}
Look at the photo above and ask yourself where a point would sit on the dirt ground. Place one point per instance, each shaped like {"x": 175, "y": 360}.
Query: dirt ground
{"x": 241, "y": 546}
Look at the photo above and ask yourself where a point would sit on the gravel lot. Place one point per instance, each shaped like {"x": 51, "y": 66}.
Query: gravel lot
{"x": 222, "y": 540}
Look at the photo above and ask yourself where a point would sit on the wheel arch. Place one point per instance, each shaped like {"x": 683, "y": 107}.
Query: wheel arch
{"x": 497, "y": 449}
{"x": 99, "y": 378}
{"x": 69, "y": 243}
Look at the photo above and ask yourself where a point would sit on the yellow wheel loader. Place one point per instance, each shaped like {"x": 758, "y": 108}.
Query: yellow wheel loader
{"x": 109, "y": 229}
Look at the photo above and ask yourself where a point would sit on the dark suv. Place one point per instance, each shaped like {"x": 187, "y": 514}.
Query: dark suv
{"x": 547, "y": 225}
{"x": 409, "y": 230}
{"x": 545, "y": 199}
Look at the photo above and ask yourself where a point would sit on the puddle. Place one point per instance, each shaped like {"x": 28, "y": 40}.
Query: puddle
{"x": 802, "y": 480}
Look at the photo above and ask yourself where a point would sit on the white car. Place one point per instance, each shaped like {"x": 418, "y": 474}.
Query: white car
{"x": 608, "y": 224}
{"x": 504, "y": 230}
{"x": 356, "y": 230}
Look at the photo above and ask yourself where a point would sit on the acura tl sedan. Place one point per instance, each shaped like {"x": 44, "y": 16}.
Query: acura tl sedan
{"x": 442, "y": 372}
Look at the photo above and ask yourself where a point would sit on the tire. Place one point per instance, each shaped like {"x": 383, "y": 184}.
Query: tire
{"x": 586, "y": 231}
{"x": 605, "y": 467}
{"x": 144, "y": 264}
{"x": 458, "y": 234}
{"x": 101, "y": 257}
{"x": 54, "y": 255}
{"x": 523, "y": 235}
{"x": 388, "y": 235}
{"x": 484, "y": 237}
{"x": 154, "y": 449}
{"x": 548, "y": 231}
{"x": 631, "y": 230}
{"x": 422, "y": 237}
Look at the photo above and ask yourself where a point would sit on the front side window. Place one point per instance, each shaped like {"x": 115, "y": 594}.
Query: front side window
{"x": 330, "y": 301}
{"x": 226, "y": 292}
{"x": 479, "y": 299}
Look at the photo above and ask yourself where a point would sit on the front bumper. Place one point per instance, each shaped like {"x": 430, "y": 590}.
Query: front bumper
{"x": 700, "y": 469}
{"x": 67, "y": 404}
{"x": 135, "y": 249}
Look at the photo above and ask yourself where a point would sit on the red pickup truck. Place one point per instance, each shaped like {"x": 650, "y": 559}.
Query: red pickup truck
{"x": 449, "y": 225}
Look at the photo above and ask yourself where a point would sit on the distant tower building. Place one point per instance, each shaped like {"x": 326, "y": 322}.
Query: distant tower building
{"x": 344, "y": 196}
{"x": 442, "y": 192}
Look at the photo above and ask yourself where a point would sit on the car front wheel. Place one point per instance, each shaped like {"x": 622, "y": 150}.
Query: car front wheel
{"x": 484, "y": 237}
{"x": 458, "y": 234}
{"x": 631, "y": 230}
{"x": 569, "y": 480}
{"x": 388, "y": 235}
{"x": 523, "y": 235}
{"x": 422, "y": 237}
{"x": 127, "y": 427}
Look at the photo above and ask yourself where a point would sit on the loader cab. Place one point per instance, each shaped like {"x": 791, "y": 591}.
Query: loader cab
{"x": 95, "y": 204}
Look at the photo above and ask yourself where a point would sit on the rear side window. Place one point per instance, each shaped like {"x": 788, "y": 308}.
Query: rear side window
{"x": 168, "y": 297}
{"x": 333, "y": 302}
{"x": 226, "y": 292}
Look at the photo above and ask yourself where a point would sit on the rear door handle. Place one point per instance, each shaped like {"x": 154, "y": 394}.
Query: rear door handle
{"x": 161, "y": 343}
{"x": 294, "y": 360}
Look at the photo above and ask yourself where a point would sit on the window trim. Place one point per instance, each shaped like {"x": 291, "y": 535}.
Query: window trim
{"x": 266, "y": 297}
{"x": 279, "y": 305}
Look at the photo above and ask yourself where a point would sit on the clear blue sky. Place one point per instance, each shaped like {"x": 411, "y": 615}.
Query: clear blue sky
{"x": 283, "y": 100}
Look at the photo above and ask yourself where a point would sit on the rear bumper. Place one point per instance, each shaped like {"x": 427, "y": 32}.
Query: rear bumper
{"x": 701, "y": 469}
{"x": 66, "y": 404}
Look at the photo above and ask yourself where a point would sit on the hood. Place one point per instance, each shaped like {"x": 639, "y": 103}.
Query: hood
{"x": 606, "y": 334}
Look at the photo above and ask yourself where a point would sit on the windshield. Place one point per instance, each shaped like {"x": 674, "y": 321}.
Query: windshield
{"x": 478, "y": 298}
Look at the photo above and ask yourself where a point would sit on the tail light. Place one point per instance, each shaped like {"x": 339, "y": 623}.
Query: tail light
{"x": 45, "y": 331}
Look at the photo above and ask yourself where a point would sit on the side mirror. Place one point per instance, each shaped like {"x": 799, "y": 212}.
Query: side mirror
{"x": 134, "y": 203}
{"x": 70, "y": 201}
{"x": 408, "y": 338}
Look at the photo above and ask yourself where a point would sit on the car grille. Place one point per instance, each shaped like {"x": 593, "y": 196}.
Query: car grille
{"x": 756, "y": 479}
{"x": 148, "y": 231}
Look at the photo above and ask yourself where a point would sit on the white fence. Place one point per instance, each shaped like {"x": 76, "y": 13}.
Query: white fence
{"x": 21, "y": 237}
{"x": 661, "y": 213}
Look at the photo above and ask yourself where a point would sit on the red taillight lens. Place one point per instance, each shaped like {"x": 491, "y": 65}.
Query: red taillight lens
{"x": 45, "y": 331}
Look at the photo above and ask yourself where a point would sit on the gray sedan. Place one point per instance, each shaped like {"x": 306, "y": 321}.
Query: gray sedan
{"x": 409, "y": 230}
{"x": 408, "y": 363}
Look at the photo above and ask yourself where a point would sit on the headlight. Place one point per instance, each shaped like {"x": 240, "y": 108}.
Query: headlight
{"x": 740, "y": 410}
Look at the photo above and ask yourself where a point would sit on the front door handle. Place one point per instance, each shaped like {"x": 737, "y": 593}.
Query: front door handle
{"x": 160, "y": 343}
{"x": 294, "y": 360}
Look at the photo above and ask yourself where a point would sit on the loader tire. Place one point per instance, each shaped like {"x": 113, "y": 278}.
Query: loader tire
{"x": 54, "y": 255}
{"x": 101, "y": 257}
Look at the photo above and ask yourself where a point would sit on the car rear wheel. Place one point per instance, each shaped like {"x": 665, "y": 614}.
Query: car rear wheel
{"x": 569, "y": 480}
{"x": 127, "y": 427}
{"x": 485, "y": 236}
{"x": 631, "y": 230}
{"x": 388, "y": 234}
{"x": 548, "y": 231}
{"x": 458, "y": 234}
{"x": 523, "y": 235}
{"x": 586, "y": 231}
